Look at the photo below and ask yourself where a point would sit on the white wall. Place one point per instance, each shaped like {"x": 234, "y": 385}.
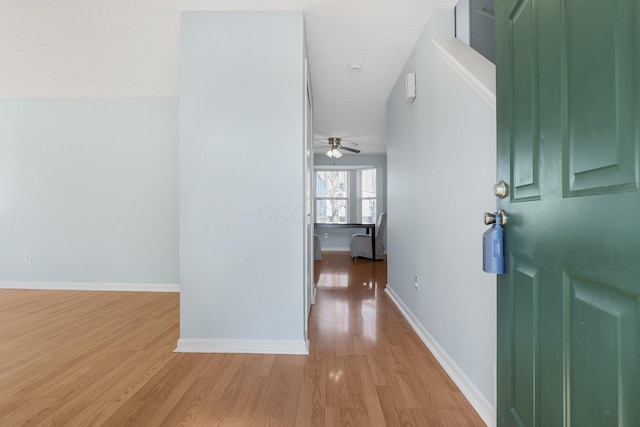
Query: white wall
{"x": 88, "y": 144}
{"x": 80, "y": 48}
{"x": 241, "y": 182}
{"x": 441, "y": 169}
{"x": 90, "y": 188}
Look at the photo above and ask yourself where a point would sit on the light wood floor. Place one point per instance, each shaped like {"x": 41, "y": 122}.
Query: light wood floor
{"x": 105, "y": 358}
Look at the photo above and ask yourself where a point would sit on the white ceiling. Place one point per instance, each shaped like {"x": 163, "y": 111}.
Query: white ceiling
{"x": 378, "y": 35}
{"x": 131, "y": 48}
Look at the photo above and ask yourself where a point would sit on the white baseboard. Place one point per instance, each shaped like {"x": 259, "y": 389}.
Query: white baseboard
{"x": 92, "y": 286}
{"x": 480, "y": 403}
{"x": 200, "y": 345}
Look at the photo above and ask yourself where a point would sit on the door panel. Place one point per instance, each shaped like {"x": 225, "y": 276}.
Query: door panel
{"x": 525, "y": 289}
{"x": 568, "y": 97}
{"x": 603, "y": 30}
{"x": 602, "y": 325}
{"x": 523, "y": 69}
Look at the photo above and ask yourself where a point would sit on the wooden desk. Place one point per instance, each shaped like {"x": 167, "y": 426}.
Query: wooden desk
{"x": 370, "y": 228}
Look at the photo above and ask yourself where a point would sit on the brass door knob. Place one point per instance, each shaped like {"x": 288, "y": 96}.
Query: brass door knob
{"x": 490, "y": 218}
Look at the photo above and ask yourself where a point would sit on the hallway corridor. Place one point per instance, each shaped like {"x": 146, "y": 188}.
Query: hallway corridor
{"x": 371, "y": 368}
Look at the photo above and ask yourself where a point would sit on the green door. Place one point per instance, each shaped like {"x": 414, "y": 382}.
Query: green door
{"x": 568, "y": 147}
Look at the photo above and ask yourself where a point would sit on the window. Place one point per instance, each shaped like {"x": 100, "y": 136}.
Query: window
{"x": 332, "y": 196}
{"x": 367, "y": 193}
{"x": 346, "y": 195}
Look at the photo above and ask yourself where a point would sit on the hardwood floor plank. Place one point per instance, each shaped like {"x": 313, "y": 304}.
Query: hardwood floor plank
{"x": 71, "y": 358}
{"x": 337, "y": 393}
{"x": 228, "y": 379}
{"x": 158, "y": 398}
{"x": 243, "y": 410}
{"x": 375, "y": 369}
{"x": 371, "y": 403}
{"x": 391, "y": 414}
{"x": 279, "y": 394}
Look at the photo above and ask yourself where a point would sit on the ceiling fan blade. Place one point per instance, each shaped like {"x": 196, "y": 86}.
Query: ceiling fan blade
{"x": 353, "y": 150}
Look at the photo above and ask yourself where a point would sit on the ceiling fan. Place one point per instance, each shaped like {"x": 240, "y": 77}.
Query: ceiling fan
{"x": 335, "y": 144}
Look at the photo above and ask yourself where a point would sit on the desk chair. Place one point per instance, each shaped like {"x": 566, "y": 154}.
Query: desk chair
{"x": 317, "y": 251}
{"x": 361, "y": 243}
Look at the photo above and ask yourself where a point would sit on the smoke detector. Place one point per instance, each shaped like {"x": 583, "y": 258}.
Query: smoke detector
{"x": 354, "y": 68}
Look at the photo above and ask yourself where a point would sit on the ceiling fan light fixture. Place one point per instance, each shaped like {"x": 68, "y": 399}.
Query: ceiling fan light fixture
{"x": 333, "y": 153}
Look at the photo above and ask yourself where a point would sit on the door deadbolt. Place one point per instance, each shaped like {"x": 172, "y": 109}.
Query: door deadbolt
{"x": 501, "y": 190}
